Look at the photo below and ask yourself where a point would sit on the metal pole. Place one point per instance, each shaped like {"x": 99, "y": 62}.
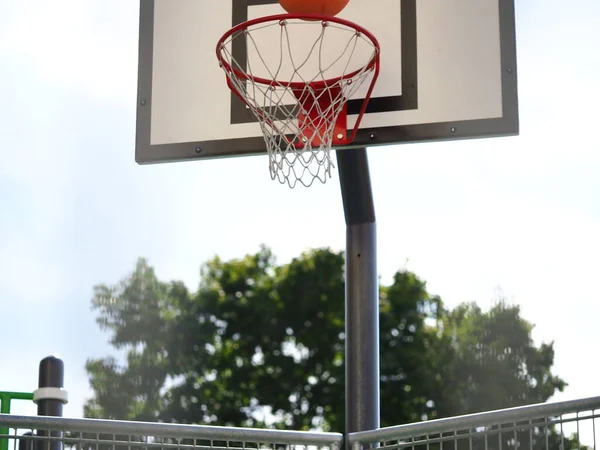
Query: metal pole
{"x": 362, "y": 292}
{"x": 50, "y": 397}
{"x": 4, "y": 409}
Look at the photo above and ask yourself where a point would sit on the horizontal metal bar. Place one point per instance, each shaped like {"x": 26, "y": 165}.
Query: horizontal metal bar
{"x": 172, "y": 430}
{"x": 16, "y": 395}
{"x": 73, "y": 441}
{"x": 475, "y": 420}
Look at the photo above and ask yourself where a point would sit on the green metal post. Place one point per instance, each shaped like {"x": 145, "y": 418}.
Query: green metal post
{"x": 5, "y": 400}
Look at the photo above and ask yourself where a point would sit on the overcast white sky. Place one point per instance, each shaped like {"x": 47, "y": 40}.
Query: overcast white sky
{"x": 519, "y": 214}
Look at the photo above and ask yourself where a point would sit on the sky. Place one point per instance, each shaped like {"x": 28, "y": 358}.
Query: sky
{"x": 517, "y": 216}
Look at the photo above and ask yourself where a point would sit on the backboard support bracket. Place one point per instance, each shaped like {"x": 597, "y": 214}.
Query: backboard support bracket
{"x": 361, "y": 292}
{"x": 314, "y": 128}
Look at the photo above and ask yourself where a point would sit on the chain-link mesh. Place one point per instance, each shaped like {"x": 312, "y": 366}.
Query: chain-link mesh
{"x": 53, "y": 433}
{"x": 296, "y": 76}
{"x": 554, "y": 426}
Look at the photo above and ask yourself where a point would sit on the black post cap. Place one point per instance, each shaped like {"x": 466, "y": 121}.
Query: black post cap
{"x": 52, "y": 372}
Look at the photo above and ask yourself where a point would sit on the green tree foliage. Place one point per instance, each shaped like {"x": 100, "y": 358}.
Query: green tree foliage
{"x": 494, "y": 361}
{"x": 262, "y": 344}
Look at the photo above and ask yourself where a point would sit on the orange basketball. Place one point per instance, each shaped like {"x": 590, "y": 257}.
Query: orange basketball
{"x": 327, "y": 7}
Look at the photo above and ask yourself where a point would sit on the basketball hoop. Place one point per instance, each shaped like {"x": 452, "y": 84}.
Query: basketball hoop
{"x": 297, "y": 84}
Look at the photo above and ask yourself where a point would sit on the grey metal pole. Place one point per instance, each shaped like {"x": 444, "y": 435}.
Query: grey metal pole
{"x": 362, "y": 292}
{"x": 50, "y": 397}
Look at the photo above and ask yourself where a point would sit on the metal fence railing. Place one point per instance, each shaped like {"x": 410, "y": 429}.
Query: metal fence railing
{"x": 550, "y": 426}
{"x": 57, "y": 433}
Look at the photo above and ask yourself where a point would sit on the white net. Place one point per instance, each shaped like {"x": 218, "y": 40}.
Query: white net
{"x": 296, "y": 76}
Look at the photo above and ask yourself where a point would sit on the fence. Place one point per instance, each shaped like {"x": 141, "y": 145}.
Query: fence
{"x": 93, "y": 434}
{"x": 551, "y": 426}
{"x": 6, "y": 399}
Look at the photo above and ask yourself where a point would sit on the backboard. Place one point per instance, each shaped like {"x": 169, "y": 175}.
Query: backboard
{"x": 448, "y": 71}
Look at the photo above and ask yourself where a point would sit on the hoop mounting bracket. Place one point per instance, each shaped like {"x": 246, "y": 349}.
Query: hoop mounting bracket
{"x": 316, "y": 115}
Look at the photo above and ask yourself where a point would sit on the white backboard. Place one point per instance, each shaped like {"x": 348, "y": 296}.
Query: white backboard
{"x": 448, "y": 71}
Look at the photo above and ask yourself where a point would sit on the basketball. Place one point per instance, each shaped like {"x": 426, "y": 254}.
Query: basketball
{"x": 327, "y": 7}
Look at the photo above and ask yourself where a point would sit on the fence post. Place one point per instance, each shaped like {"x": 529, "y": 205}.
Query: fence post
{"x": 50, "y": 398}
{"x": 26, "y": 444}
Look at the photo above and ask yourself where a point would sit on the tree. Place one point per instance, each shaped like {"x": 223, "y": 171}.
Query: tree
{"x": 495, "y": 362}
{"x": 262, "y": 344}
{"x": 138, "y": 312}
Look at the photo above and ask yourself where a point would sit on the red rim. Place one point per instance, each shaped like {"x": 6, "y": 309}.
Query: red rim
{"x": 297, "y": 84}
